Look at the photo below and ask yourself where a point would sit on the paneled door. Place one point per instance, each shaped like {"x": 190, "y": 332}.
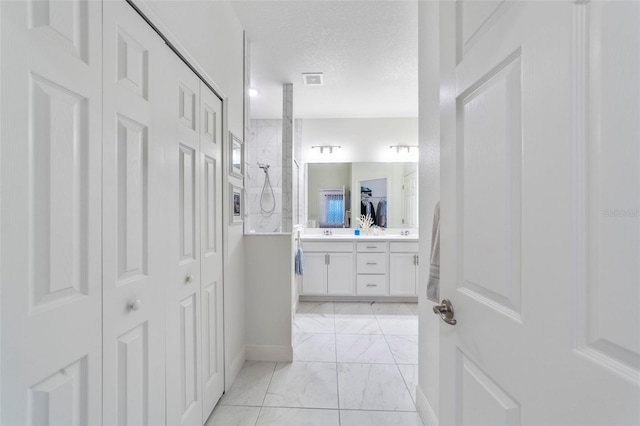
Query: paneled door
{"x": 183, "y": 304}
{"x": 211, "y": 248}
{"x": 50, "y": 226}
{"x": 135, "y": 250}
{"x": 540, "y": 197}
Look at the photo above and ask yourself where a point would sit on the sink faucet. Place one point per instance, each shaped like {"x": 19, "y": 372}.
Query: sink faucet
{"x": 327, "y": 232}
{"x": 404, "y": 232}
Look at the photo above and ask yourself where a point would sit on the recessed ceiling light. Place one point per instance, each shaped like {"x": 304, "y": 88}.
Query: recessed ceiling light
{"x": 253, "y": 92}
{"x": 312, "y": 78}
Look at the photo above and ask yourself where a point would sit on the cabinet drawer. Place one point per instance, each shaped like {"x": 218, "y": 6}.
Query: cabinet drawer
{"x": 372, "y": 263}
{"x": 371, "y": 284}
{"x": 328, "y": 246}
{"x": 373, "y": 246}
{"x": 403, "y": 247}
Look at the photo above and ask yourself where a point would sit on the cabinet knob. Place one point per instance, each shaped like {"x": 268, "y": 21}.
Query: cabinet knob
{"x": 135, "y": 305}
{"x": 188, "y": 279}
{"x": 372, "y": 285}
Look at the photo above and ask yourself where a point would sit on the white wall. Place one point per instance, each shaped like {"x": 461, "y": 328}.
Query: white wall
{"x": 210, "y": 36}
{"x": 429, "y": 194}
{"x": 362, "y": 139}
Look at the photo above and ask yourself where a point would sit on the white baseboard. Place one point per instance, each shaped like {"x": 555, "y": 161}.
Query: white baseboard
{"x": 269, "y": 353}
{"x": 425, "y": 410}
{"x": 235, "y": 367}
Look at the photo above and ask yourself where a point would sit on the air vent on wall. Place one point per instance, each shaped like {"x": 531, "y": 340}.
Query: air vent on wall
{"x": 312, "y": 79}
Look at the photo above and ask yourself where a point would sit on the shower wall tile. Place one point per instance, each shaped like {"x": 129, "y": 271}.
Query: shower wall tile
{"x": 287, "y": 157}
{"x": 265, "y": 146}
{"x": 254, "y": 200}
{"x": 261, "y": 223}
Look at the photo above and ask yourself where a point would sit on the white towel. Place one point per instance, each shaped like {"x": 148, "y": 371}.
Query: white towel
{"x": 433, "y": 285}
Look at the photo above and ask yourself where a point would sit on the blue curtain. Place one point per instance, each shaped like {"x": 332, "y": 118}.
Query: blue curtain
{"x": 335, "y": 209}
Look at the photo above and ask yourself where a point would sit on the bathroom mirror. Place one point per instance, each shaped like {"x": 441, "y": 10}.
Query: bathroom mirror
{"x": 401, "y": 195}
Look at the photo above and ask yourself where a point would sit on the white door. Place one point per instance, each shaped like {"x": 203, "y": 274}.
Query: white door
{"x": 340, "y": 274}
{"x": 50, "y": 226}
{"x": 314, "y": 280}
{"x": 135, "y": 251}
{"x": 211, "y": 248}
{"x": 184, "y": 354}
{"x": 402, "y": 274}
{"x": 410, "y": 200}
{"x": 539, "y": 218}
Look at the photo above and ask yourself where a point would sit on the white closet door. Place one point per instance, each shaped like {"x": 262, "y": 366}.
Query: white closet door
{"x": 136, "y": 256}
{"x": 50, "y": 177}
{"x": 211, "y": 248}
{"x": 184, "y": 384}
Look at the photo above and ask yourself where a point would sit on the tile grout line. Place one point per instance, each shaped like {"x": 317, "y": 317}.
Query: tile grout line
{"x": 404, "y": 379}
{"x": 268, "y": 386}
{"x": 335, "y": 346}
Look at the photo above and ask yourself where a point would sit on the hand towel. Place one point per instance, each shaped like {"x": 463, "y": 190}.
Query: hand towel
{"x": 433, "y": 285}
{"x": 299, "y": 267}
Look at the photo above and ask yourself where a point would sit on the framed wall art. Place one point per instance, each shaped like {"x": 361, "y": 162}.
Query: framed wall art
{"x": 236, "y": 202}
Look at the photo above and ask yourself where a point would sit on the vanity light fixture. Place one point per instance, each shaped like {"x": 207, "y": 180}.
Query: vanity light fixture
{"x": 399, "y": 147}
{"x": 323, "y": 147}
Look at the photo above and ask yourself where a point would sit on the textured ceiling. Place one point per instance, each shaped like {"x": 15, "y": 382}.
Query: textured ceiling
{"x": 367, "y": 50}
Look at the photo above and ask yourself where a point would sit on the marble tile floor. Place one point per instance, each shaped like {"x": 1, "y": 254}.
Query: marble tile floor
{"x": 353, "y": 364}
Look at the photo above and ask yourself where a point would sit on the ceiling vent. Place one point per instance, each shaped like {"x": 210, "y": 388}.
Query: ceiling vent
{"x": 313, "y": 79}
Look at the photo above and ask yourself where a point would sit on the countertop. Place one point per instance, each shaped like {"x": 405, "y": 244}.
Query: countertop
{"x": 352, "y": 237}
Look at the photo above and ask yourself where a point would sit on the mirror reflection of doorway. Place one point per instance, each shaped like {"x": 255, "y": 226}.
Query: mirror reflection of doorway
{"x": 373, "y": 200}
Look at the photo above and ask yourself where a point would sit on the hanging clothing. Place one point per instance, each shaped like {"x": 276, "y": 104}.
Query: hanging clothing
{"x": 366, "y": 208}
{"x": 381, "y": 215}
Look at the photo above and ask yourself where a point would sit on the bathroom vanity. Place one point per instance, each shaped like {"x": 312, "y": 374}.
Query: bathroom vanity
{"x": 364, "y": 267}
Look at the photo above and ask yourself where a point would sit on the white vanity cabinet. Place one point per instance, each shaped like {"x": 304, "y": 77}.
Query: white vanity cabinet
{"x": 359, "y": 268}
{"x": 328, "y": 268}
{"x": 371, "y": 267}
{"x": 403, "y": 268}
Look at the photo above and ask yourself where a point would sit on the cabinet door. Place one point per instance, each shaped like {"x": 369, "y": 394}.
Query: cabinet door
{"x": 340, "y": 273}
{"x": 402, "y": 274}
{"x": 314, "y": 280}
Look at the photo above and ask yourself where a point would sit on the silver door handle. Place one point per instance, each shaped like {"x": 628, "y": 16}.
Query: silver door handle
{"x": 372, "y": 263}
{"x": 372, "y": 285}
{"x": 135, "y": 305}
{"x": 445, "y": 310}
{"x": 188, "y": 279}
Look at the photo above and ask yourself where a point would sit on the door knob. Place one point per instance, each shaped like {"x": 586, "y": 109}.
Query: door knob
{"x": 445, "y": 310}
{"x": 188, "y": 279}
{"x": 135, "y": 305}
